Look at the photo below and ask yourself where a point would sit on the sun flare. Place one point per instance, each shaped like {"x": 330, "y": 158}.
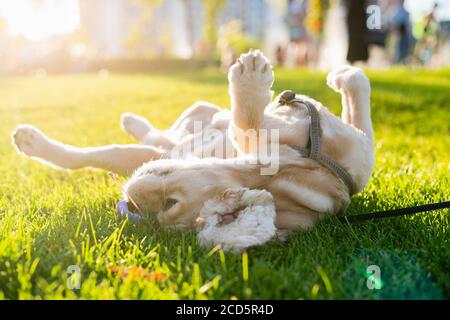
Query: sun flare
{"x": 40, "y": 19}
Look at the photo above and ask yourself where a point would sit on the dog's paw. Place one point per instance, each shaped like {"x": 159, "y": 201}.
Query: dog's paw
{"x": 347, "y": 79}
{"x": 135, "y": 125}
{"x": 29, "y": 140}
{"x": 252, "y": 71}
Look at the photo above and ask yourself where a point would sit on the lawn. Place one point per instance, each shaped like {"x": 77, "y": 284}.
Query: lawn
{"x": 51, "y": 220}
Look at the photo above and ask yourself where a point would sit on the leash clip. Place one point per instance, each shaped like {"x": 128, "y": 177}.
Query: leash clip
{"x": 286, "y": 97}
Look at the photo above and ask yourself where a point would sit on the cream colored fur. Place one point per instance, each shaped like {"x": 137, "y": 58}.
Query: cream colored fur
{"x": 251, "y": 219}
{"x": 175, "y": 189}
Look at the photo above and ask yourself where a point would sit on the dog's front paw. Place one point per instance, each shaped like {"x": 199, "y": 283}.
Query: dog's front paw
{"x": 29, "y": 140}
{"x": 347, "y": 79}
{"x": 252, "y": 71}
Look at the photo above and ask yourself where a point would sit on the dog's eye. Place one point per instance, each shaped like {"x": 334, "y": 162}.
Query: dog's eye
{"x": 170, "y": 202}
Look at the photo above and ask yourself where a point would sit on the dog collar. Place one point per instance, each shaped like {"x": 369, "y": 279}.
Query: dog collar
{"x": 312, "y": 151}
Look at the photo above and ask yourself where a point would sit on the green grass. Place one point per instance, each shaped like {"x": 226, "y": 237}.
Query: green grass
{"x": 51, "y": 219}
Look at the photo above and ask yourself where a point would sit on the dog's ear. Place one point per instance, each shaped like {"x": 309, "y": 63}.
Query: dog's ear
{"x": 228, "y": 203}
{"x": 237, "y": 219}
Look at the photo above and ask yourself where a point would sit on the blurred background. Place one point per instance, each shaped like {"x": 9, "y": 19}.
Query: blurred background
{"x": 75, "y": 36}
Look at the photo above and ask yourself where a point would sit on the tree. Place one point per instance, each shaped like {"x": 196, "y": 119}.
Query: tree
{"x": 232, "y": 41}
{"x": 212, "y": 9}
{"x": 316, "y": 15}
{"x": 137, "y": 41}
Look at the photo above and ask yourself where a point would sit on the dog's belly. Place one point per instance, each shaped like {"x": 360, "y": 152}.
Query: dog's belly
{"x": 207, "y": 140}
{"x": 216, "y": 144}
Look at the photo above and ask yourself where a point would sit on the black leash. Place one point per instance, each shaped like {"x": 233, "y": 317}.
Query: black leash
{"x": 395, "y": 212}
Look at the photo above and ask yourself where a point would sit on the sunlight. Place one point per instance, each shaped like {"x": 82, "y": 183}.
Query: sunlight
{"x": 40, "y": 19}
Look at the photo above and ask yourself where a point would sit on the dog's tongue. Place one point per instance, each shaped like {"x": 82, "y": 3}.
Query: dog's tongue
{"x": 124, "y": 212}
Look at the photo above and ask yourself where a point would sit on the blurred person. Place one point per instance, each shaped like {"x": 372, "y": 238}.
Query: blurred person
{"x": 293, "y": 54}
{"x": 315, "y": 21}
{"x": 357, "y": 31}
{"x": 377, "y": 35}
{"x": 426, "y": 32}
{"x": 295, "y": 20}
{"x": 280, "y": 55}
{"x": 297, "y": 50}
{"x": 400, "y": 26}
{"x": 334, "y": 43}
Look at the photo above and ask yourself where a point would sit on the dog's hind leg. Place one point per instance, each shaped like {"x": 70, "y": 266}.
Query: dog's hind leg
{"x": 141, "y": 129}
{"x": 135, "y": 125}
{"x": 121, "y": 159}
{"x": 200, "y": 111}
{"x": 354, "y": 88}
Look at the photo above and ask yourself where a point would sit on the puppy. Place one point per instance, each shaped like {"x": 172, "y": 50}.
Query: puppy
{"x": 174, "y": 185}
